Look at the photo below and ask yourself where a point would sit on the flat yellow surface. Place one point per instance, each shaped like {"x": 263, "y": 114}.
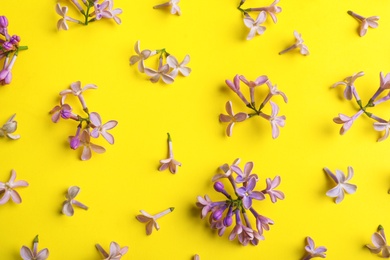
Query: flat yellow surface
{"x": 117, "y": 184}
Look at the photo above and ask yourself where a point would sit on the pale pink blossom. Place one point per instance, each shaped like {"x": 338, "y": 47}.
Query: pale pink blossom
{"x": 349, "y": 85}
{"x": 342, "y": 184}
{"x": 271, "y": 10}
{"x": 271, "y": 185}
{"x": 206, "y": 204}
{"x": 312, "y": 251}
{"x": 88, "y": 147}
{"x": 382, "y": 126}
{"x": 379, "y": 243}
{"x": 7, "y": 189}
{"x": 76, "y": 90}
{"x": 235, "y": 86}
{"x": 151, "y": 220}
{"x": 140, "y": 57}
{"x": 169, "y": 163}
{"x": 231, "y": 118}
{"x": 67, "y": 207}
{"x": 161, "y": 72}
{"x": 275, "y": 120}
{"x": 174, "y": 4}
{"x": 62, "y": 11}
{"x": 28, "y": 254}
{"x": 116, "y": 252}
{"x": 298, "y": 44}
{"x": 255, "y": 25}
{"x": 100, "y": 128}
{"x": 346, "y": 121}
{"x": 9, "y": 128}
{"x": 253, "y": 84}
{"x": 179, "y": 67}
{"x": 371, "y": 21}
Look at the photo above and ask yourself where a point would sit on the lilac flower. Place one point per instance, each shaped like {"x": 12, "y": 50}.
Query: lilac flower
{"x": 349, "y": 85}
{"x": 175, "y": 9}
{"x": 255, "y": 25}
{"x": 226, "y": 169}
{"x": 62, "y": 11}
{"x": 161, "y": 72}
{"x": 380, "y": 243}
{"x": 116, "y": 252}
{"x": 382, "y": 126}
{"x": 235, "y": 86}
{"x": 231, "y": 118}
{"x": 7, "y": 189}
{"x": 204, "y": 203}
{"x": 67, "y": 207}
{"x": 346, "y": 121}
{"x": 6, "y": 73}
{"x": 28, "y": 254}
{"x": 275, "y": 120}
{"x": 253, "y": 84}
{"x": 371, "y": 21}
{"x": 178, "y": 67}
{"x": 88, "y": 147}
{"x": 74, "y": 141}
{"x": 244, "y": 176}
{"x": 239, "y": 228}
{"x": 170, "y": 162}
{"x": 262, "y": 223}
{"x": 271, "y": 185}
{"x": 342, "y": 185}
{"x": 141, "y": 57}
{"x": 104, "y": 10}
{"x": 312, "y": 251}
{"x": 273, "y": 91}
{"x": 271, "y": 10}
{"x": 10, "y": 127}
{"x": 298, "y": 44}
{"x": 247, "y": 193}
{"x": 102, "y": 129}
{"x": 3, "y": 26}
{"x": 76, "y": 90}
{"x": 151, "y": 220}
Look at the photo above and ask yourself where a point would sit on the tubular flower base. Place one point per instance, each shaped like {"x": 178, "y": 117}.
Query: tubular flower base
{"x": 88, "y": 127}
{"x": 236, "y": 208}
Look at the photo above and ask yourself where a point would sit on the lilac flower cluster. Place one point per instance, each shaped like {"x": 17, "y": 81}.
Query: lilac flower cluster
{"x": 255, "y": 26}
{"x": 223, "y": 213}
{"x": 232, "y": 118}
{"x": 167, "y": 72}
{"x": 92, "y": 10}
{"x": 350, "y": 93}
{"x": 9, "y": 46}
{"x": 89, "y": 126}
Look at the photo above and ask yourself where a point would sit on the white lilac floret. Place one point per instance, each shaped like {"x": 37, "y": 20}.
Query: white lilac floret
{"x": 27, "y": 254}
{"x": 170, "y": 162}
{"x": 9, "y": 50}
{"x": 151, "y": 220}
{"x": 256, "y": 25}
{"x": 116, "y": 252}
{"x": 232, "y": 118}
{"x": 7, "y": 189}
{"x": 238, "y": 207}
{"x": 342, "y": 185}
{"x": 9, "y": 128}
{"x": 88, "y": 126}
{"x": 312, "y": 251}
{"x": 379, "y": 242}
{"x": 91, "y": 10}
{"x": 173, "y": 4}
{"x": 297, "y": 45}
{"x": 168, "y": 66}
{"x": 350, "y": 93}
{"x": 371, "y": 21}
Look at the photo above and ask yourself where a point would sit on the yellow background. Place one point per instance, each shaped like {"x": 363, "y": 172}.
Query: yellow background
{"x": 124, "y": 180}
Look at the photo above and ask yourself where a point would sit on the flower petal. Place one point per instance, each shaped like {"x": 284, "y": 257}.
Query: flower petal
{"x": 67, "y": 209}
{"x": 26, "y": 253}
{"x": 43, "y": 254}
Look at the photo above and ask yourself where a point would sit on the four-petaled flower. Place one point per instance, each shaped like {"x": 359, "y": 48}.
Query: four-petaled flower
{"x": 312, "y": 251}
{"x": 380, "y": 243}
{"x": 382, "y": 126}
{"x": 104, "y": 10}
{"x": 88, "y": 147}
{"x": 346, "y": 121}
{"x": 226, "y": 169}
{"x": 179, "y": 67}
{"x": 62, "y": 11}
{"x": 247, "y": 193}
{"x": 244, "y": 176}
{"x": 255, "y": 25}
{"x": 141, "y": 57}
{"x": 7, "y": 189}
{"x": 28, "y": 254}
{"x": 151, "y": 220}
{"x": 271, "y": 185}
{"x": 9, "y": 127}
{"x": 67, "y": 207}
{"x": 371, "y": 21}
{"x": 275, "y": 120}
{"x": 231, "y": 118}
{"x": 76, "y": 90}
{"x": 102, "y": 129}
{"x": 298, "y": 44}
{"x": 116, "y": 252}
{"x": 349, "y": 85}
{"x": 174, "y": 4}
{"x": 170, "y": 162}
{"x": 342, "y": 185}
{"x": 161, "y": 72}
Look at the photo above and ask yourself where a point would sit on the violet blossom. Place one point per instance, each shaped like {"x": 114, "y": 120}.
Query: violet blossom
{"x": 247, "y": 193}
{"x": 169, "y": 163}
{"x": 382, "y": 126}
{"x": 312, "y": 251}
{"x": 298, "y": 44}
{"x": 101, "y": 129}
{"x": 7, "y": 189}
{"x": 342, "y": 184}
{"x": 379, "y": 242}
{"x": 371, "y": 21}
{"x": 346, "y": 121}
{"x": 231, "y": 118}
{"x": 116, "y": 252}
{"x": 88, "y": 147}
{"x": 151, "y": 220}
{"x": 105, "y": 10}
{"x": 174, "y": 4}
{"x": 9, "y": 128}
{"x": 349, "y": 82}
{"x": 27, "y": 254}
{"x": 243, "y": 176}
{"x": 271, "y": 185}
{"x": 67, "y": 207}
{"x": 226, "y": 169}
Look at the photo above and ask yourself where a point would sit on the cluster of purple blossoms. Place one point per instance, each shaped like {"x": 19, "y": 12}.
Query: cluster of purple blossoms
{"x": 255, "y": 26}
{"x": 167, "y": 72}
{"x": 231, "y": 118}
{"x": 9, "y": 46}
{"x": 92, "y": 10}
{"x": 223, "y": 213}
{"x": 89, "y": 126}
{"x": 350, "y": 93}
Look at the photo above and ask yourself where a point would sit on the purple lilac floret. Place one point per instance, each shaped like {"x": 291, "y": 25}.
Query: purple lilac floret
{"x": 9, "y": 50}
{"x": 27, "y": 254}
{"x": 91, "y": 11}
{"x": 273, "y": 118}
{"x": 89, "y": 125}
{"x": 255, "y": 25}
{"x": 237, "y": 210}
{"x": 381, "y": 95}
{"x": 312, "y": 251}
{"x": 379, "y": 242}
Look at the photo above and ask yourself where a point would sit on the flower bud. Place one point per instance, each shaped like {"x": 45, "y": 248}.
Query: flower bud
{"x": 15, "y": 39}
{"x": 66, "y": 114}
{"x": 74, "y": 142}
{"x": 218, "y": 186}
{"x": 3, "y": 22}
{"x": 228, "y": 221}
{"x": 217, "y": 214}
{"x": 7, "y": 46}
